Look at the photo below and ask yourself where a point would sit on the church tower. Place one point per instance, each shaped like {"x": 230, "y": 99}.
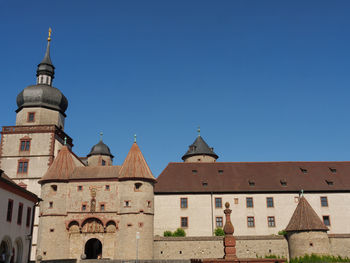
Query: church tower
{"x": 28, "y": 148}
{"x": 199, "y": 151}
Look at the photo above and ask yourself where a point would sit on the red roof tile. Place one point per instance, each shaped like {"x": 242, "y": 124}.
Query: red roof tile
{"x": 135, "y": 166}
{"x": 61, "y": 168}
{"x": 254, "y": 177}
{"x": 305, "y": 218}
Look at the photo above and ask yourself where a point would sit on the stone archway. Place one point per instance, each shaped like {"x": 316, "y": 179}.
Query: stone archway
{"x": 93, "y": 249}
{"x": 5, "y": 250}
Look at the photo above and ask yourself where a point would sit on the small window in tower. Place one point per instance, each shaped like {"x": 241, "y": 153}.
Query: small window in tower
{"x": 333, "y": 170}
{"x": 138, "y": 186}
{"x": 51, "y": 204}
{"x": 107, "y": 187}
{"x": 127, "y": 203}
{"x": 52, "y": 229}
{"x": 31, "y": 117}
{"x": 54, "y": 187}
{"x": 24, "y": 145}
{"x": 103, "y": 163}
{"x": 83, "y": 207}
{"x": 80, "y": 188}
{"x": 102, "y": 207}
{"x": 149, "y": 204}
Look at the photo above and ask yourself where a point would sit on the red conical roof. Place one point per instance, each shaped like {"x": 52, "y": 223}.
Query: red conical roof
{"x": 135, "y": 166}
{"x": 305, "y": 218}
{"x": 61, "y": 168}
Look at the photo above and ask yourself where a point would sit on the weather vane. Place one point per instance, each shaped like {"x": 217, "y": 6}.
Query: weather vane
{"x": 199, "y": 131}
{"x": 135, "y": 138}
{"x": 101, "y": 135}
{"x": 49, "y": 38}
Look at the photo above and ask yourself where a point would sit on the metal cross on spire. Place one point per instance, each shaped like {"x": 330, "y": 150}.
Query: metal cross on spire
{"x": 101, "y": 135}
{"x": 135, "y": 138}
{"x": 199, "y": 131}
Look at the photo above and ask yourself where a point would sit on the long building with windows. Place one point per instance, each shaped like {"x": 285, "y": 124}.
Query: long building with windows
{"x": 263, "y": 195}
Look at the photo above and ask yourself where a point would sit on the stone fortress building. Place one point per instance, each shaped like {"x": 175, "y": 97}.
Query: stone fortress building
{"x": 93, "y": 209}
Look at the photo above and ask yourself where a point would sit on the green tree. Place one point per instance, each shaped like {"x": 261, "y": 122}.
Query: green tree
{"x": 179, "y": 233}
{"x": 219, "y": 232}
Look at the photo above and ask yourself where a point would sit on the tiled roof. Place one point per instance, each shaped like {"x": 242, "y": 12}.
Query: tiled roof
{"x": 305, "y": 218}
{"x": 135, "y": 166}
{"x": 62, "y": 166}
{"x": 95, "y": 172}
{"x": 254, "y": 177}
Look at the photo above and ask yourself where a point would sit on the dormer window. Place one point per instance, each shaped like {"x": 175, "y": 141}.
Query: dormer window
{"x": 304, "y": 171}
{"x": 283, "y": 182}
{"x": 220, "y": 171}
{"x": 329, "y": 182}
{"x": 251, "y": 183}
{"x": 333, "y": 170}
{"x": 194, "y": 171}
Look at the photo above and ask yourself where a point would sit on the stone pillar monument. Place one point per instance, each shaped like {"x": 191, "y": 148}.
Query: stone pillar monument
{"x": 229, "y": 240}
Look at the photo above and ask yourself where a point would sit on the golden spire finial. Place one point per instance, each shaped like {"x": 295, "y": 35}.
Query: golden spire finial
{"x": 49, "y": 38}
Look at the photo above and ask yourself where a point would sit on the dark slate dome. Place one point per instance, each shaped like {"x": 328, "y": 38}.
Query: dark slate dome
{"x": 100, "y": 149}
{"x": 199, "y": 147}
{"x": 42, "y": 95}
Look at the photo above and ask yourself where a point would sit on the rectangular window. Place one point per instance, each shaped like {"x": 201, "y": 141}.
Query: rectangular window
{"x": 236, "y": 201}
{"x": 103, "y": 163}
{"x": 102, "y": 207}
{"x": 219, "y": 221}
{"x": 50, "y": 204}
{"x": 250, "y": 221}
{"x": 250, "y": 202}
{"x": 31, "y": 117}
{"x": 183, "y": 202}
{"x": 127, "y": 203}
{"x": 269, "y": 201}
{"x": 83, "y": 207}
{"x": 24, "y": 145}
{"x": 326, "y": 220}
{"x": 80, "y": 188}
{"x": 149, "y": 204}
{"x": 324, "y": 201}
{"x": 20, "y": 212}
{"x": 9, "y": 210}
{"x": 22, "y": 167}
{"x": 184, "y": 221}
{"x": 29, "y": 211}
{"x": 271, "y": 221}
{"x": 107, "y": 187}
{"x": 218, "y": 202}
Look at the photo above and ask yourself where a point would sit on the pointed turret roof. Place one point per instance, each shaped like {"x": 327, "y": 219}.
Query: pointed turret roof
{"x": 305, "y": 218}
{"x": 135, "y": 166}
{"x": 46, "y": 67}
{"x": 199, "y": 147}
{"x": 61, "y": 168}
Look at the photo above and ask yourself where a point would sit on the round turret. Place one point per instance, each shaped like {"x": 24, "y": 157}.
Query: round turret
{"x": 100, "y": 154}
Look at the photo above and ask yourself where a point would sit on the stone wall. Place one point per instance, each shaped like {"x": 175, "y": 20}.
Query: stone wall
{"x": 340, "y": 244}
{"x": 212, "y": 247}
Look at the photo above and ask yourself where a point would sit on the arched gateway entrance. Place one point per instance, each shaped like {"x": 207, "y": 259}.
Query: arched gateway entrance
{"x": 93, "y": 248}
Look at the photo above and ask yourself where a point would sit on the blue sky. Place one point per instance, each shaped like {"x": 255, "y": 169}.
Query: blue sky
{"x": 265, "y": 80}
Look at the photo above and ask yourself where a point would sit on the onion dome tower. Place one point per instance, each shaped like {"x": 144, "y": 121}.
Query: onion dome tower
{"x": 199, "y": 151}
{"x": 42, "y": 103}
{"x": 306, "y": 233}
{"x": 100, "y": 154}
